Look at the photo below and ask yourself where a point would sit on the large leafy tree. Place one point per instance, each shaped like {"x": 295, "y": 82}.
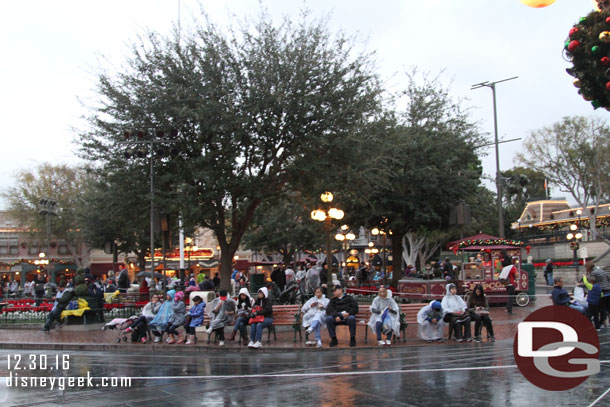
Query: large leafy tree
{"x": 573, "y": 155}
{"x": 61, "y": 183}
{"x": 249, "y": 109}
{"x": 432, "y": 155}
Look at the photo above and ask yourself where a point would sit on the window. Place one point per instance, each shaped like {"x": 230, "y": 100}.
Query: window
{"x": 3, "y": 246}
{"x": 34, "y": 248}
{"x": 63, "y": 248}
{"x": 13, "y": 246}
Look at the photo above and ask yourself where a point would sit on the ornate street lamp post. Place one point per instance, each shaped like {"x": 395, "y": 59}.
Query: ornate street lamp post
{"x": 345, "y": 236}
{"x": 327, "y": 215}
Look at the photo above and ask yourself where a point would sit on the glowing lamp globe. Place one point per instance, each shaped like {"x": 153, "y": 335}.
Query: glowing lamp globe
{"x": 339, "y": 237}
{"x": 350, "y": 236}
{"x": 326, "y": 197}
{"x": 538, "y": 3}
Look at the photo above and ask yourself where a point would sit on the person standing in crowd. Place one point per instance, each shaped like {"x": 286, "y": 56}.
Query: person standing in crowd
{"x": 593, "y": 300}
{"x": 314, "y": 311}
{"x": 261, "y": 318}
{"x": 216, "y": 280}
{"x": 123, "y": 280}
{"x": 341, "y": 310}
{"x": 63, "y": 298}
{"x": 196, "y": 316}
{"x": 206, "y": 284}
{"x": 561, "y": 296}
{"x": 97, "y": 295}
{"x": 603, "y": 279}
{"x": 313, "y": 279}
{"x": 243, "y": 308}
{"x": 478, "y": 307}
{"x": 548, "y": 272}
{"x": 39, "y": 283}
{"x": 384, "y": 317}
{"x": 430, "y": 322}
{"x": 301, "y": 280}
{"x": 279, "y": 277}
{"x": 221, "y": 313}
{"x": 447, "y": 269}
{"x": 455, "y": 313}
{"x": 511, "y": 279}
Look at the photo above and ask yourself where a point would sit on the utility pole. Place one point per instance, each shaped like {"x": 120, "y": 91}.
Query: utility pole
{"x": 492, "y": 86}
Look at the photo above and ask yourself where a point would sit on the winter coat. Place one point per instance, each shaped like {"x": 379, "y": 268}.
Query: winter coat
{"x": 595, "y": 292}
{"x": 318, "y": 312}
{"x": 560, "y": 296}
{"x": 602, "y": 278}
{"x": 475, "y": 301}
{"x": 453, "y": 303}
{"x": 346, "y": 303}
{"x": 243, "y": 307}
{"x": 377, "y": 308}
{"x": 264, "y": 303}
{"x": 197, "y": 314}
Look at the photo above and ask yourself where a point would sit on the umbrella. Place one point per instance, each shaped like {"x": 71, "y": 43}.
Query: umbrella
{"x": 147, "y": 274}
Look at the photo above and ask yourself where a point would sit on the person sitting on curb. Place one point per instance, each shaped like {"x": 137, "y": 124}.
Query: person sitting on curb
{"x": 382, "y": 321}
{"x": 430, "y": 321}
{"x": 177, "y": 319}
{"x": 314, "y": 317}
{"x": 62, "y": 299}
{"x": 478, "y": 307}
{"x": 561, "y": 296}
{"x": 196, "y": 316}
{"x": 221, "y": 313}
{"x": 341, "y": 310}
{"x": 243, "y": 308}
{"x": 455, "y": 313}
{"x": 261, "y": 318}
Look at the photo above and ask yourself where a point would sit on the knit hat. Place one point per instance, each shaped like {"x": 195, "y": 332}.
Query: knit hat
{"x": 179, "y": 296}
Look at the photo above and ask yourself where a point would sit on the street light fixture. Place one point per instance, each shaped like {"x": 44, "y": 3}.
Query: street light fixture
{"x": 327, "y": 216}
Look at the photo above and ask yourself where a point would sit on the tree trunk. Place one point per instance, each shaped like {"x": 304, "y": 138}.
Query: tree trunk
{"x": 397, "y": 262}
{"x": 226, "y": 265}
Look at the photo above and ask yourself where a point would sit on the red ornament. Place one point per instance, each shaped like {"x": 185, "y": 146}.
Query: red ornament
{"x": 573, "y": 45}
{"x": 605, "y": 61}
{"x": 573, "y": 31}
{"x": 608, "y": 20}
{"x": 528, "y": 248}
{"x": 607, "y": 85}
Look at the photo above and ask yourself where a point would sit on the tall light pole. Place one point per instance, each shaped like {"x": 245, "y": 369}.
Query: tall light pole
{"x": 151, "y": 142}
{"x": 376, "y": 232}
{"x": 48, "y": 207}
{"x": 492, "y": 86}
{"x": 327, "y": 215}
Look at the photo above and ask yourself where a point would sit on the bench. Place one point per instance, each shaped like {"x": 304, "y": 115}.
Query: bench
{"x": 408, "y": 314}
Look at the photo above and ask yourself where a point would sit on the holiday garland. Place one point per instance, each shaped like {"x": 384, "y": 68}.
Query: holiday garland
{"x": 588, "y": 48}
{"x": 489, "y": 242}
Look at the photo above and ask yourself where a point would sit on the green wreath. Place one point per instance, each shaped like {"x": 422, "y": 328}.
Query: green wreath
{"x": 588, "y": 48}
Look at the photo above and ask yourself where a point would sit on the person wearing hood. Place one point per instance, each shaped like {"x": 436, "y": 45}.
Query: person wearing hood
{"x": 243, "y": 307}
{"x": 148, "y": 313}
{"x": 221, "y": 313}
{"x": 384, "y": 317}
{"x": 548, "y": 272}
{"x": 314, "y": 311}
{"x": 196, "y": 314}
{"x": 342, "y": 309}
{"x": 62, "y": 299}
{"x": 478, "y": 307}
{"x": 160, "y": 322}
{"x": 260, "y": 318}
{"x": 455, "y": 313}
{"x": 177, "y": 319}
{"x": 430, "y": 321}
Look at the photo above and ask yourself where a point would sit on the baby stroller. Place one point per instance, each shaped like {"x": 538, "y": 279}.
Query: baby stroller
{"x": 121, "y": 324}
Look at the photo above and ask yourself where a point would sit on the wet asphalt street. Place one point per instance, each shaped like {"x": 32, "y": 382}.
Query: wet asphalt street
{"x": 407, "y": 376}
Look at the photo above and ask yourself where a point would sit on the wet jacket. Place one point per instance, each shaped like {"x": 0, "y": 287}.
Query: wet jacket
{"x": 346, "y": 303}
{"x": 602, "y": 278}
{"x": 265, "y": 304}
{"x": 595, "y": 292}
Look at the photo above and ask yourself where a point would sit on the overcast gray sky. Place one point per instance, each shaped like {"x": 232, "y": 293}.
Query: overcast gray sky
{"x": 51, "y": 52}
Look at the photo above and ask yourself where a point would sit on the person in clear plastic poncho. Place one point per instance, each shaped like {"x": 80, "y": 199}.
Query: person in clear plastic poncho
{"x": 385, "y": 317}
{"x": 430, "y": 320}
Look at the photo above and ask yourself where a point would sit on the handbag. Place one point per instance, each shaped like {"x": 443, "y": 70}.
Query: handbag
{"x": 255, "y": 319}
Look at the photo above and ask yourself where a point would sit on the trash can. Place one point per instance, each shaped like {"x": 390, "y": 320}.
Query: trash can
{"x": 531, "y": 273}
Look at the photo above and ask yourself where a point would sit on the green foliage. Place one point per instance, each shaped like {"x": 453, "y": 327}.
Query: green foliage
{"x": 252, "y": 109}
{"x": 62, "y": 183}
{"x": 80, "y": 287}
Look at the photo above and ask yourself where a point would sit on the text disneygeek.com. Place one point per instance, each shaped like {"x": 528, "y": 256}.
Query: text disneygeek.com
{"x": 62, "y": 383}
